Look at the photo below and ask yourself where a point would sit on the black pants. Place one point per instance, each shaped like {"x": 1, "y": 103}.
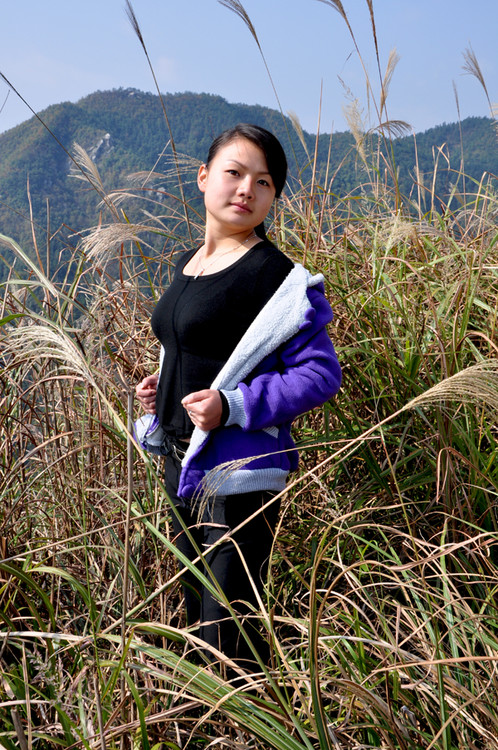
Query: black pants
{"x": 223, "y": 513}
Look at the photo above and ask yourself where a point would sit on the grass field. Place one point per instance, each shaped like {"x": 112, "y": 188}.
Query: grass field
{"x": 381, "y": 602}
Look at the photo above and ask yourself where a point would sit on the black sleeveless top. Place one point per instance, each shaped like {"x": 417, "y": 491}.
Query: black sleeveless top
{"x": 199, "y": 322}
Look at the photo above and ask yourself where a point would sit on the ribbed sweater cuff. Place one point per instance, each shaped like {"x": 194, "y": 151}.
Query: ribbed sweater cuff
{"x": 235, "y": 400}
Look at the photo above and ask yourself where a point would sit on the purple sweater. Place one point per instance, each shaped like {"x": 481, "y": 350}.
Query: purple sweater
{"x": 284, "y": 365}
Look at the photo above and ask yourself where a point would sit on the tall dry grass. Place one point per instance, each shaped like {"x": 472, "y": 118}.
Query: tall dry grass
{"x": 381, "y": 600}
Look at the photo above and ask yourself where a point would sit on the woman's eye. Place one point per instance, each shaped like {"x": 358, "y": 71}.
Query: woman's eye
{"x": 232, "y": 172}
{"x": 264, "y": 182}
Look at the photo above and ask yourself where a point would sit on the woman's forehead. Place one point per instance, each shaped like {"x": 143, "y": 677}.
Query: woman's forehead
{"x": 243, "y": 151}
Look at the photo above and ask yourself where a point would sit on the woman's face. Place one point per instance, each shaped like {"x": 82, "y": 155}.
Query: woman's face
{"x": 238, "y": 189}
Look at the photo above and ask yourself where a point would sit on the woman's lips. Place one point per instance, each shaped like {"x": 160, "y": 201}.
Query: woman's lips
{"x": 242, "y": 207}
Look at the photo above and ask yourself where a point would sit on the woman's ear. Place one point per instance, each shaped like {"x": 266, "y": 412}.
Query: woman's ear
{"x": 202, "y": 177}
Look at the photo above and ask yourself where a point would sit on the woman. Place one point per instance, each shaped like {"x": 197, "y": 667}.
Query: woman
{"x": 244, "y": 351}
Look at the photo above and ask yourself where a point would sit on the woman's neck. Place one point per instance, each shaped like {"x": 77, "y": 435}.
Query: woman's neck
{"x": 223, "y": 253}
{"x": 215, "y": 242}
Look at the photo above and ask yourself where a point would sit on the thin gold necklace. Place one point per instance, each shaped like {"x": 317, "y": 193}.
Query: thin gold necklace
{"x": 220, "y": 255}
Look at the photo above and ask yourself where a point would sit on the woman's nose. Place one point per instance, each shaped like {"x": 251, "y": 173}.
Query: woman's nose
{"x": 246, "y": 186}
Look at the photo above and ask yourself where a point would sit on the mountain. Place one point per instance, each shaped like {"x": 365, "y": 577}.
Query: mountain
{"x": 125, "y": 131}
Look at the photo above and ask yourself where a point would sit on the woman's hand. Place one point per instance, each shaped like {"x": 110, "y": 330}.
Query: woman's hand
{"x": 204, "y": 408}
{"x": 146, "y": 393}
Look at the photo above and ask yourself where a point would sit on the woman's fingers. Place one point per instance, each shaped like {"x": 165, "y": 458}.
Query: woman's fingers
{"x": 146, "y": 392}
{"x": 204, "y": 408}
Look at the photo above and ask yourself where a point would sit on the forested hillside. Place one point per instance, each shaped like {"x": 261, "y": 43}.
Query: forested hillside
{"x": 125, "y": 131}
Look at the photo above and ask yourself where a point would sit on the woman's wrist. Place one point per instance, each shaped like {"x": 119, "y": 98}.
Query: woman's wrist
{"x": 225, "y": 409}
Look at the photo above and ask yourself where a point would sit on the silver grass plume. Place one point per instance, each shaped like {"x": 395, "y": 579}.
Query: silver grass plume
{"x": 101, "y": 241}
{"x": 41, "y": 342}
{"x": 186, "y": 164}
{"x": 472, "y": 67}
{"x": 476, "y": 384}
{"x": 354, "y": 118}
{"x": 298, "y": 129}
{"x": 84, "y": 168}
{"x": 396, "y": 229}
{"x": 386, "y": 81}
{"x": 338, "y": 6}
{"x": 392, "y": 128}
{"x": 457, "y": 100}
{"x": 237, "y": 7}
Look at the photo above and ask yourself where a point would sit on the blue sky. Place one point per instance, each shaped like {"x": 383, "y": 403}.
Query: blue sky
{"x": 62, "y": 50}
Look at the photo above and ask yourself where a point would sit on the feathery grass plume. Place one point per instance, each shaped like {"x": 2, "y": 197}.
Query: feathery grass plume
{"x": 386, "y": 81}
{"x": 387, "y": 128}
{"x": 42, "y": 342}
{"x": 239, "y": 10}
{"x": 457, "y": 100}
{"x": 88, "y": 171}
{"x": 472, "y": 67}
{"x": 161, "y": 156}
{"x": 353, "y": 114}
{"x": 476, "y": 384}
{"x": 392, "y": 128}
{"x": 391, "y": 65}
{"x": 396, "y": 229}
{"x": 99, "y": 243}
{"x": 298, "y": 130}
{"x": 187, "y": 164}
{"x": 338, "y": 6}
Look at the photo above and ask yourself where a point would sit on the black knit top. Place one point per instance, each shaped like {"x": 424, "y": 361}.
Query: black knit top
{"x": 199, "y": 322}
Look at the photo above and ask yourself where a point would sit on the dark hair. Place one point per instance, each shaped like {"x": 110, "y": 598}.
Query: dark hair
{"x": 269, "y": 145}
